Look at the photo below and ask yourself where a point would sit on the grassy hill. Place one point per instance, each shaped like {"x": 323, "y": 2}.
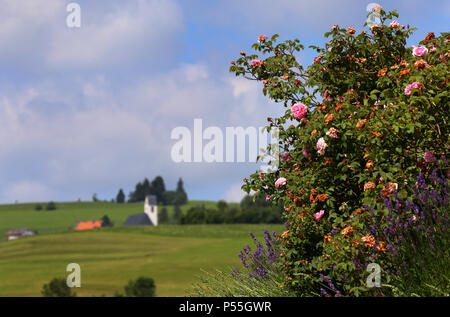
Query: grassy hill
{"x": 67, "y": 213}
{"x": 109, "y": 257}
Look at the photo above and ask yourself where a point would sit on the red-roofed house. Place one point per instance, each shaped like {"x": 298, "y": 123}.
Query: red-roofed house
{"x": 88, "y": 225}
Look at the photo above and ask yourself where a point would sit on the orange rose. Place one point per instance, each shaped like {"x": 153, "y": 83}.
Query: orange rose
{"x": 421, "y": 64}
{"x": 351, "y": 30}
{"x": 382, "y": 247}
{"x": 382, "y": 72}
{"x": 430, "y": 36}
{"x": 361, "y": 124}
{"x": 369, "y": 164}
{"x": 369, "y": 185}
{"x": 375, "y": 133}
{"x": 404, "y": 72}
{"x": 347, "y": 231}
{"x": 322, "y": 107}
{"x": 311, "y": 196}
{"x": 284, "y": 235}
{"x": 328, "y": 117}
{"x": 369, "y": 240}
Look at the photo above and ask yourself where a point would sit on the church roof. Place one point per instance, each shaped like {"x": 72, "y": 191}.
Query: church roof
{"x": 152, "y": 200}
{"x": 138, "y": 220}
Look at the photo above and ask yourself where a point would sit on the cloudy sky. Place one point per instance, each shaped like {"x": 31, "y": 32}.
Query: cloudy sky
{"x": 91, "y": 109}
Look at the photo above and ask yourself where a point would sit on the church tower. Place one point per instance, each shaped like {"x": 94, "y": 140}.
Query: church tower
{"x": 151, "y": 209}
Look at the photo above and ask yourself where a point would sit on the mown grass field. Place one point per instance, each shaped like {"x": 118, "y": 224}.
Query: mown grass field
{"x": 67, "y": 213}
{"x": 171, "y": 254}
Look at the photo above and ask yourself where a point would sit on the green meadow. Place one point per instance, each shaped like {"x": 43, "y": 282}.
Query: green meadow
{"x": 68, "y": 213}
{"x": 173, "y": 255}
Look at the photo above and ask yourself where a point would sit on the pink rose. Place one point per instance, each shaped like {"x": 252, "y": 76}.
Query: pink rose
{"x": 299, "y": 110}
{"x": 428, "y": 156}
{"x": 333, "y": 133}
{"x": 369, "y": 185}
{"x": 420, "y": 51}
{"x": 257, "y": 63}
{"x": 286, "y": 157}
{"x": 414, "y": 85}
{"x": 433, "y": 49}
{"x": 280, "y": 182}
{"x": 318, "y": 59}
{"x": 262, "y": 38}
{"x": 321, "y": 146}
{"x": 377, "y": 8}
{"x": 325, "y": 95}
{"x": 394, "y": 24}
{"x": 305, "y": 153}
{"x": 267, "y": 198}
{"x": 319, "y": 214}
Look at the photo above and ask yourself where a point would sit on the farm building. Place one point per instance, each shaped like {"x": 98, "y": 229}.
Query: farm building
{"x": 88, "y": 225}
{"x": 148, "y": 218}
{"x": 19, "y": 233}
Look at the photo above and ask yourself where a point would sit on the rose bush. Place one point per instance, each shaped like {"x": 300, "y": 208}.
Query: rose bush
{"x": 374, "y": 111}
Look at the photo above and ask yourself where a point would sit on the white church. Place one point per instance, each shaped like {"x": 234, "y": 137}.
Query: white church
{"x": 149, "y": 217}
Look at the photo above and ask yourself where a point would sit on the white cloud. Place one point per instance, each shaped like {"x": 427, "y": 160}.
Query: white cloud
{"x": 34, "y": 34}
{"x": 234, "y": 193}
{"x": 85, "y": 136}
{"x": 27, "y": 191}
{"x": 241, "y": 86}
{"x": 195, "y": 72}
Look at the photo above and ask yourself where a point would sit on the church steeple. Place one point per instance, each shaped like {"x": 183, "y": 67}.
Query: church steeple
{"x": 151, "y": 208}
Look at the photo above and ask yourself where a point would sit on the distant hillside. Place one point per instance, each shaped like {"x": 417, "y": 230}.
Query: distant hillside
{"x": 67, "y": 213}
{"x": 172, "y": 255}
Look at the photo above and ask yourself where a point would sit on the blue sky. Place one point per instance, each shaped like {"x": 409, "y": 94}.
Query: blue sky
{"x": 90, "y": 110}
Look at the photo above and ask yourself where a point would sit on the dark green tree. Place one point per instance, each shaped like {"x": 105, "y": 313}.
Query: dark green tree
{"x": 141, "y": 287}
{"x": 195, "y": 215}
{"x": 163, "y": 216}
{"x": 158, "y": 189}
{"x": 181, "y": 197}
{"x": 120, "y": 198}
{"x": 57, "y": 288}
{"x": 50, "y": 206}
{"x": 169, "y": 197}
{"x": 139, "y": 193}
{"x": 106, "y": 222}
{"x": 177, "y": 213}
{"x": 222, "y": 205}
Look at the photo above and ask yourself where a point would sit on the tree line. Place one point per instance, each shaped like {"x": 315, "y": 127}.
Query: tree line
{"x": 157, "y": 188}
{"x": 252, "y": 209}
